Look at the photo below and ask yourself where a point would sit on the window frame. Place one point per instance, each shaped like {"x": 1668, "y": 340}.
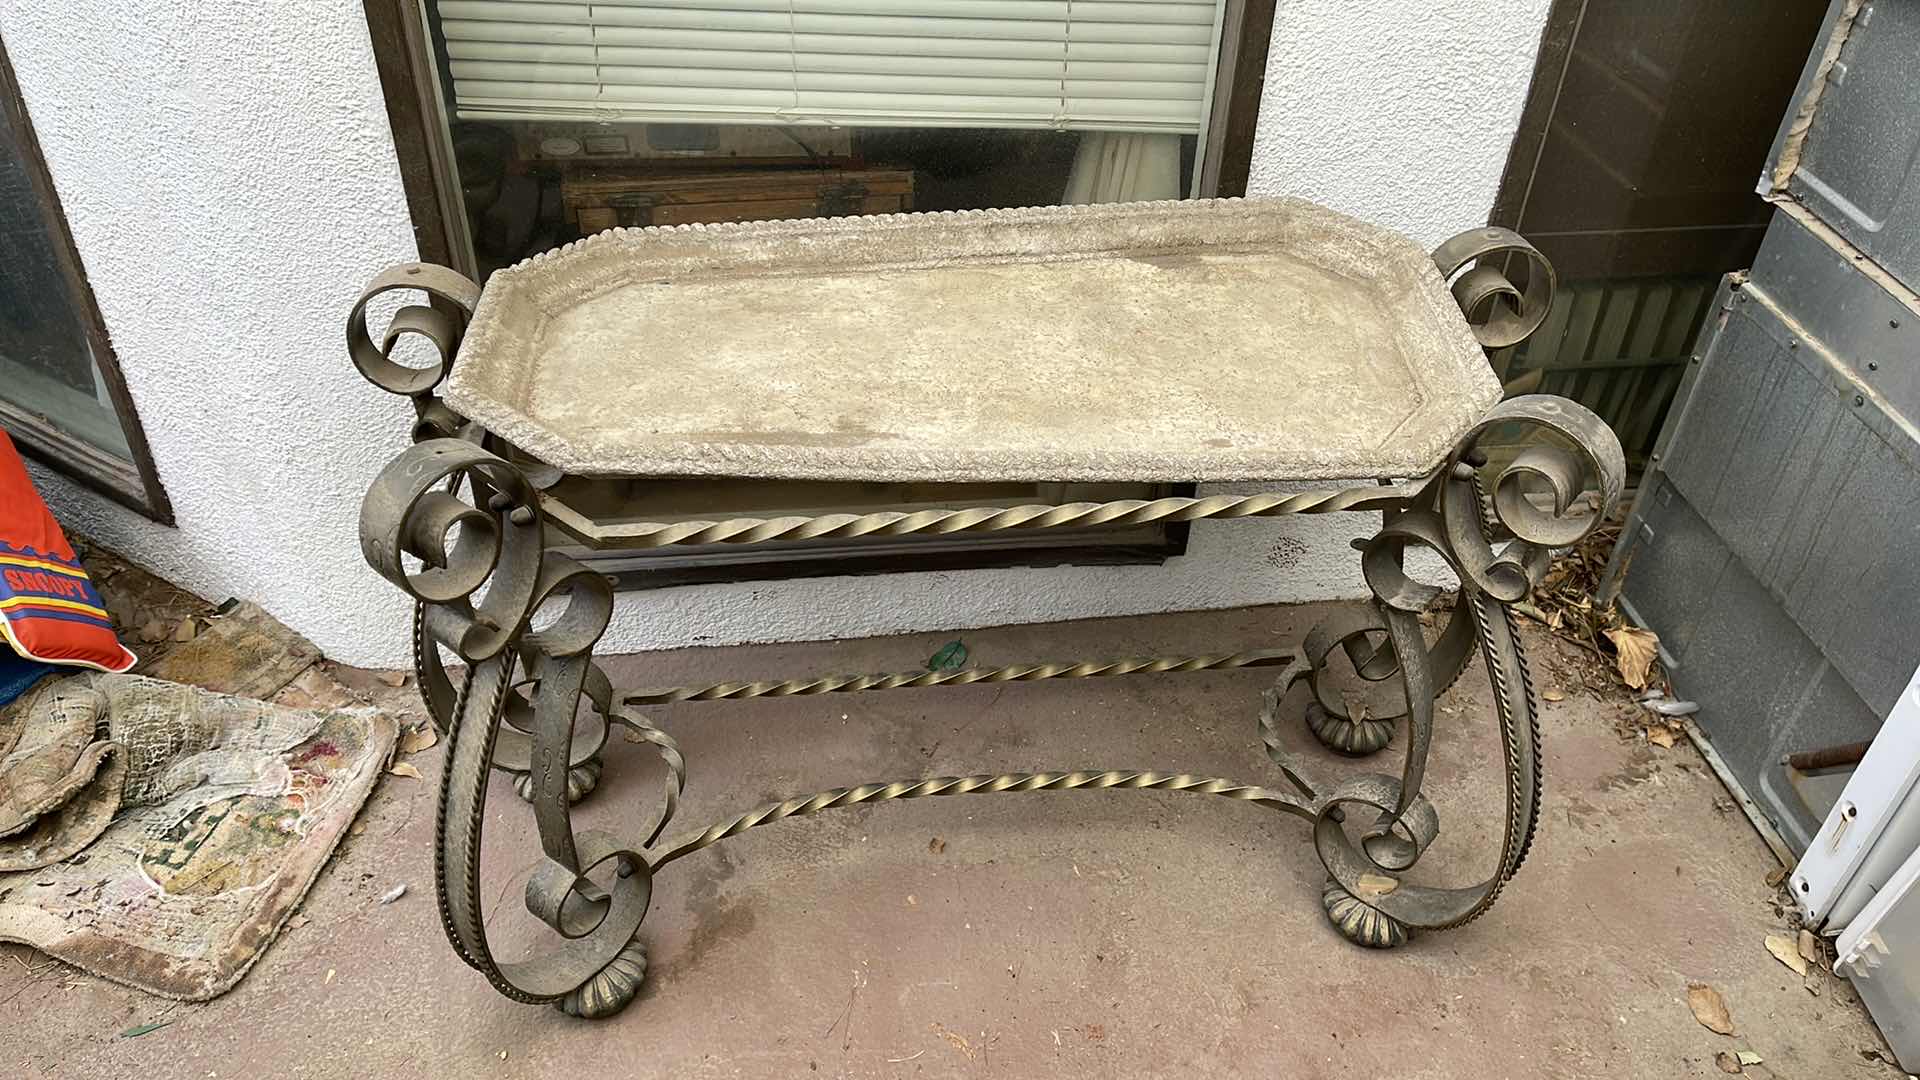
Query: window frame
{"x": 134, "y": 484}
{"x": 417, "y": 96}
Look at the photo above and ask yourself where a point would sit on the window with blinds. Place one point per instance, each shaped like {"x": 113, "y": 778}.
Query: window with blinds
{"x": 1085, "y": 65}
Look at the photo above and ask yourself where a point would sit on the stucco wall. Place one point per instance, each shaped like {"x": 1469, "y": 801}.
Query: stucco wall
{"x": 229, "y": 177}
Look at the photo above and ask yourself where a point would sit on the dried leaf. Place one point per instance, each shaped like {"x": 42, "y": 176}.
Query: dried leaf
{"x": 1709, "y": 1008}
{"x": 1635, "y": 650}
{"x": 153, "y": 630}
{"x": 1554, "y": 693}
{"x": 138, "y": 1030}
{"x": 1777, "y": 875}
{"x": 185, "y": 631}
{"x": 936, "y": 845}
{"x": 955, "y": 1039}
{"x": 418, "y": 739}
{"x": 1372, "y": 886}
{"x": 1811, "y": 950}
{"x": 1727, "y": 1062}
{"x": 951, "y": 657}
{"x": 1661, "y": 737}
{"x": 1748, "y": 1057}
{"x": 299, "y": 920}
{"x": 1786, "y": 949}
{"x": 393, "y": 678}
{"x": 406, "y": 769}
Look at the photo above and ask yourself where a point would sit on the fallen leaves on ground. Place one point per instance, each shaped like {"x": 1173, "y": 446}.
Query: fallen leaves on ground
{"x": 1662, "y": 737}
{"x": 1810, "y": 948}
{"x": 138, "y": 1030}
{"x": 1727, "y": 1062}
{"x": 394, "y": 678}
{"x": 1374, "y": 886}
{"x": 417, "y": 739}
{"x": 1554, "y": 693}
{"x": 951, "y": 657}
{"x": 936, "y": 846}
{"x": 406, "y": 769}
{"x": 1635, "y": 649}
{"x": 1786, "y": 949}
{"x": 185, "y": 631}
{"x": 958, "y": 1041}
{"x": 1709, "y": 1008}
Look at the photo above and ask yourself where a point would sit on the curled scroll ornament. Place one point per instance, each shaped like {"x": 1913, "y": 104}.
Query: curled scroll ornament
{"x": 458, "y": 528}
{"x": 1495, "y": 527}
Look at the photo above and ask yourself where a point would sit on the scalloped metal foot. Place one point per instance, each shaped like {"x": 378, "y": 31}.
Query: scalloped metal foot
{"x": 612, "y": 988}
{"x": 1360, "y": 922}
{"x": 581, "y": 780}
{"x": 1354, "y": 738}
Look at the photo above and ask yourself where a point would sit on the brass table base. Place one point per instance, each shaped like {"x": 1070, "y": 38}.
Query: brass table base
{"x": 457, "y": 521}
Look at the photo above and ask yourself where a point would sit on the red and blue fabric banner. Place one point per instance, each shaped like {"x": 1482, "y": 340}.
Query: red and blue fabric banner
{"x": 49, "y": 610}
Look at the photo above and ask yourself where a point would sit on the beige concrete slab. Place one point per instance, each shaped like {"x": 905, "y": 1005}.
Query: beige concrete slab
{"x": 1124, "y": 934}
{"x": 1214, "y": 340}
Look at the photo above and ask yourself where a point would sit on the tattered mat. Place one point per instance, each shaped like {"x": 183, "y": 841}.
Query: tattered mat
{"x": 180, "y": 896}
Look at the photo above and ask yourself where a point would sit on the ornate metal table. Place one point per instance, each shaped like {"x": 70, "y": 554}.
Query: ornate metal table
{"x": 1186, "y": 342}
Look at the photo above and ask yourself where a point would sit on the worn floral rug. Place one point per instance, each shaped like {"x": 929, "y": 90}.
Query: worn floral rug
{"x": 210, "y": 819}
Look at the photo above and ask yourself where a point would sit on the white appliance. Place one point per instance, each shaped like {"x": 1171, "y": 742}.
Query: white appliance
{"x": 1860, "y": 878}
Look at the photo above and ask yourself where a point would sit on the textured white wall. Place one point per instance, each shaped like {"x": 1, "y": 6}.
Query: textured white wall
{"x": 1398, "y": 113}
{"x": 230, "y": 180}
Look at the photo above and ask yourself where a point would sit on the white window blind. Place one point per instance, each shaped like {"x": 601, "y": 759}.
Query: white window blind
{"x": 1096, "y": 65}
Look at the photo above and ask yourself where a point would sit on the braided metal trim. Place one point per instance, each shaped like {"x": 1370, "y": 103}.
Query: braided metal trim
{"x": 1079, "y": 515}
{"x": 846, "y": 684}
{"x": 987, "y": 785}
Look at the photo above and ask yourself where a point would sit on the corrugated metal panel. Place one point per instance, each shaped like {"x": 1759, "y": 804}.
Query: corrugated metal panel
{"x": 1619, "y": 347}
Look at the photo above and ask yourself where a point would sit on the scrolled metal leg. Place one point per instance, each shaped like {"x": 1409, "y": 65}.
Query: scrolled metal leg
{"x": 611, "y": 988}
{"x": 1361, "y": 922}
{"x": 516, "y": 706}
{"x": 1352, "y": 736}
{"x": 1372, "y": 829}
{"x": 581, "y": 780}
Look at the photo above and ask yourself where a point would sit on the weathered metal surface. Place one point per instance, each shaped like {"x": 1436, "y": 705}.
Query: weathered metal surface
{"x": 449, "y": 520}
{"x": 1508, "y": 314}
{"x": 1868, "y": 320}
{"x": 1850, "y": 149}
{"x": 1175, "y": 342}
{"x": 1808, "y": 477}
{"x": 1772, "y": 547}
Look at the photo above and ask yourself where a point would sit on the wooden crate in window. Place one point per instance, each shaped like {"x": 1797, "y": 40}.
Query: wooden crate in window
{"x": 602, "y": 199}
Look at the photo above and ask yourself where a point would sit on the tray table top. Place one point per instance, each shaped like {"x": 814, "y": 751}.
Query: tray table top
{"x": 1225, "y": 340}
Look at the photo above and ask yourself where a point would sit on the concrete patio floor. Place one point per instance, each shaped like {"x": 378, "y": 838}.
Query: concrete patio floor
{"x": 1061, "y": 934}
